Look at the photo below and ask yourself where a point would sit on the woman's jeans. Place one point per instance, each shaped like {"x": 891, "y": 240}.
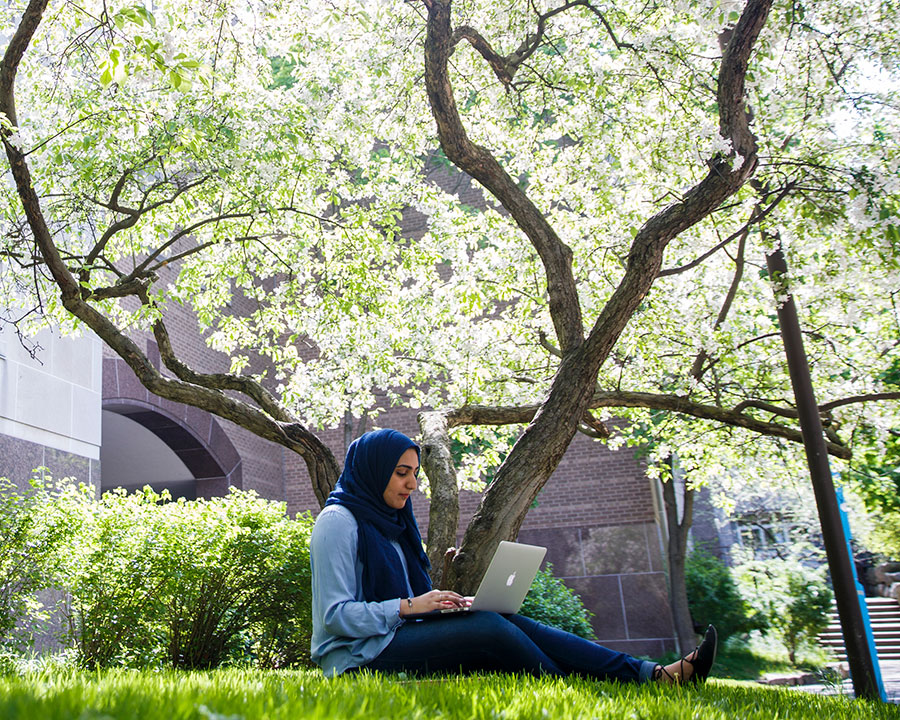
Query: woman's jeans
{"x": 487, "y": 641}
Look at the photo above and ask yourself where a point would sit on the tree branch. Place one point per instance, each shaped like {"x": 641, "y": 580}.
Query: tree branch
{"x": 497, "y": 62}
{"x": 870, "y": 397}
{"x": 280, "y": 429}
{"x": 133, "y": 216}
{"x": 523, "y": 414}
{"x": 505, "y": 66}
{"x": 696, "y": 370}
{"x": 755, "y": 219}
{"x": 766, "y": 407}
{"x": 478, "y": 162}
{"x": 18, "y": 44}
{"x": 142, "y": 266}
{"x": 120, "y": 289}
{"x": 214, "y": 381}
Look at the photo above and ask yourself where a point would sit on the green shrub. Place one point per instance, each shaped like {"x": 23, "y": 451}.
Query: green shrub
{"x": 885, "y": 535}
{"x": 31, "y": 530}
{"x": 713, "y": 597}
{"x": 795, "y": 600}
{"x": 109, "y": 569}
{"x": 549, "y": 601}
{"x": 189, "y": 584}
{"x": 806, "y": 612}
{"x": 238, "y": 581}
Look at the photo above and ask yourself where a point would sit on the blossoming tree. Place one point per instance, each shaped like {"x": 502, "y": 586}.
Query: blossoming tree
{"x": 637, "y": 162}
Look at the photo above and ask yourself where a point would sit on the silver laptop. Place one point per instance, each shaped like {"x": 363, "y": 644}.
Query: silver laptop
{"x": 505, "y": 584}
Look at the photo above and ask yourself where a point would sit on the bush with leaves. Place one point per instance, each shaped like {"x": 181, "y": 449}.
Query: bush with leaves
{"x": 109, "y": 570}
{"x": 884, "y": 538}
{"x": 189, "y": 584}
{"x": 551, "y": 602}
{"x": 31, "y": 530}
{"x": 794, "y": 598}
{"x": 713, "y": 597}
{"x": 236, "y": 576}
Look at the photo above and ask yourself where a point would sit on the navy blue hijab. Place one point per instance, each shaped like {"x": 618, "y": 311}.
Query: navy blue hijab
{"x": 371, "y": 460}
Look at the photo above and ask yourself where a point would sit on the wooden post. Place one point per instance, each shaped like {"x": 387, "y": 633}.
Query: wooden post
{"x": 859, "y": 657}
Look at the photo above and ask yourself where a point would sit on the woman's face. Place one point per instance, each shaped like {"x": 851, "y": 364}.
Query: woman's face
{"x": 403, "y": 480}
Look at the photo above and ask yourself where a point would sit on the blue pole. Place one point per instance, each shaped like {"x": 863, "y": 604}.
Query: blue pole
{"x": 861, "y": 596}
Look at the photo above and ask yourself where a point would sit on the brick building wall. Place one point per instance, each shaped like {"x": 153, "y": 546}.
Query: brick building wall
{"x": 247, "y": 461}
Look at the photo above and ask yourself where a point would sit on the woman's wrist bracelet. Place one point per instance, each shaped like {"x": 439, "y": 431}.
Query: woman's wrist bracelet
{"x": 409, "y": 602}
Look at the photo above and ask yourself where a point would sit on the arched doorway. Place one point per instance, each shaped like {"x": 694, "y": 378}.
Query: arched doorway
{"x": 142, "y": 447}
{"x": 155, "y": 442}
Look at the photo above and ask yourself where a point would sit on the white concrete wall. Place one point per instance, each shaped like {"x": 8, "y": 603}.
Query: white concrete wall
{"x": 53, "y": 399}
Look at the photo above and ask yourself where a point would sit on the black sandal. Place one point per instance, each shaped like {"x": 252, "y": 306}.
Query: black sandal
{"x": 701, "y": 660}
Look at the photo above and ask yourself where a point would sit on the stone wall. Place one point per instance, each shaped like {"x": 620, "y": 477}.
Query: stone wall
{"x": 885, "y": 578}
{"x": 19, "y": 458}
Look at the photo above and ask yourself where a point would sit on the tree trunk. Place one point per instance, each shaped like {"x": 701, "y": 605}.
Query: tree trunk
{"x": 525, "y": 471}
{"x": 443, "y": 518}
{"x": 538, "y": 451}
{"x": 677, "y": 556}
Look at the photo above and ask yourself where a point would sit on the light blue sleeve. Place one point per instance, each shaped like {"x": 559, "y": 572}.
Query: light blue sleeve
{"x": 347, "y": 630}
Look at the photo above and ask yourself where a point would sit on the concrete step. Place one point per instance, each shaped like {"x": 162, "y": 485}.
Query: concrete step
{"x": 879, "y": 639}
{"x": 886, "y": 607}
{"x": 885, "y": 630}
{"x": 883, "y": 613}
{"x": 876, "y": 621}
{"x": 838, "y": 641}
{"x": 887, "y": 633}
{"x": 879, "y": 649}
{"x": 879, "y": 610}
{"x": 835, "y": 620}
{"x": 884, "y": 618}
{"x": 880, "y": 643}
{"x": 882, "y": 656}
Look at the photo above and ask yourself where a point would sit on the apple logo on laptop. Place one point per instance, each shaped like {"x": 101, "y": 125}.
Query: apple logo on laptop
{"x": 510, "y": 580}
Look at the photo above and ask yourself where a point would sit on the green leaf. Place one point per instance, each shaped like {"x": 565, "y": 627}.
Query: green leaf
{"x": 151, "y": 18}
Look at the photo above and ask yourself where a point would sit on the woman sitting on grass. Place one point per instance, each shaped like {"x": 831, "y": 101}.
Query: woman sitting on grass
{"x": 369, "y": 572}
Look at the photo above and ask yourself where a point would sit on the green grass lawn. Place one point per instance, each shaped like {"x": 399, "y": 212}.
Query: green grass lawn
{"x": 237, "y": 694}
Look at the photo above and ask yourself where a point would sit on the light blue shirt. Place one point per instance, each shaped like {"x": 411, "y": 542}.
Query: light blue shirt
{"x": 347, "y": 631}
